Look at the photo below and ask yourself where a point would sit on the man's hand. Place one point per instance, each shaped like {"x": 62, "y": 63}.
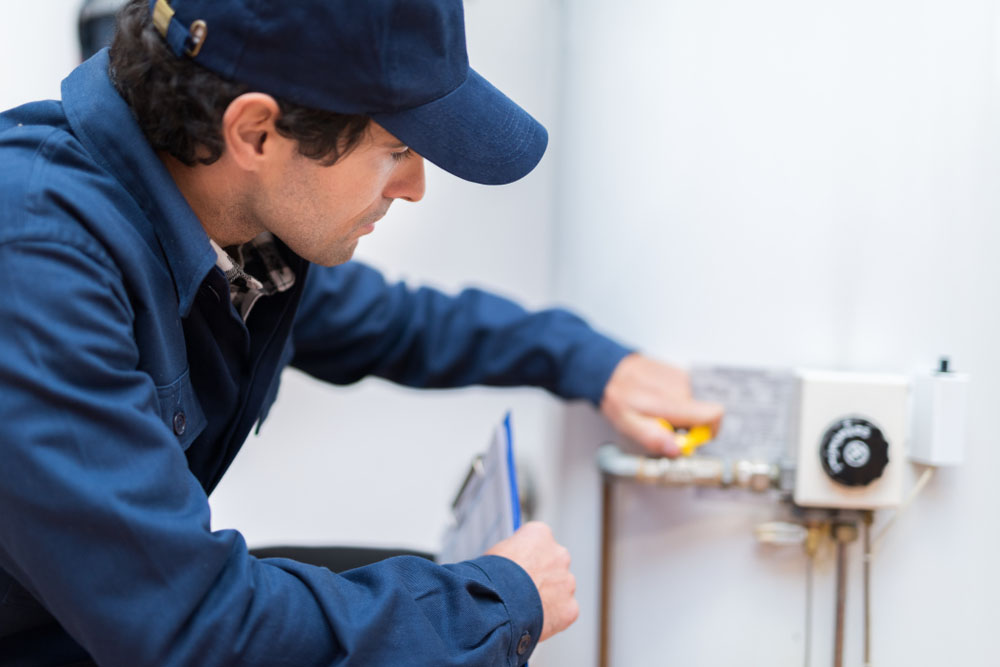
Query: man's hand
{"x": 547, "y": 563}
{"x": 641, "y": 391}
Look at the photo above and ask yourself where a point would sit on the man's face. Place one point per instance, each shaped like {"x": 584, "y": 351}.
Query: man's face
{"x": 321, "y": 212}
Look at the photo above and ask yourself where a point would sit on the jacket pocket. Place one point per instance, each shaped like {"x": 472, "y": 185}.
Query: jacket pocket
{"x": 181, "y": 411}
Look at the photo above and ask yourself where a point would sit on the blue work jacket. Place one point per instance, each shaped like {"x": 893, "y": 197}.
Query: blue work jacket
{"x": 128, "y": 383}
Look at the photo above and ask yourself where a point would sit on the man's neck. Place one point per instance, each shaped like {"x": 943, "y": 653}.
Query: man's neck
{"x": 213, "y": 196}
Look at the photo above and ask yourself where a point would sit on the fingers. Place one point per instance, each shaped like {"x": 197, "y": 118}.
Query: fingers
{"x": 562, "y": 616}
{"x": 657, "y": 438}
{"x": 654, "y": 436}
{"x": 642, "y": 390}
{"x": 547, "y": 562}
{"x": 560, "y": 608}
{"x": 650, "y": 433}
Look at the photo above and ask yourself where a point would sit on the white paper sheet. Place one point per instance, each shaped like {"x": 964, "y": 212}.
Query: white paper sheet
{"x": 486, "y": 509}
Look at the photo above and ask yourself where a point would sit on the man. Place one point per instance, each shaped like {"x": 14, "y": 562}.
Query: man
{"x": 173, "y": 233}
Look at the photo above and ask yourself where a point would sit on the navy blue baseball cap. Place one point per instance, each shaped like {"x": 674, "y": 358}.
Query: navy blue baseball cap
{"x": 401, "y": 62}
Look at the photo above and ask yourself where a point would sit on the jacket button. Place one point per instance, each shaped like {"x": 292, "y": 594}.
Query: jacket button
{"x": 180, "y": 422}
{"x": 524, "y": 644}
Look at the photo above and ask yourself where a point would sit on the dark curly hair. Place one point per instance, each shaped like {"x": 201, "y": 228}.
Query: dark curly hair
{"x": 179, "y": 105}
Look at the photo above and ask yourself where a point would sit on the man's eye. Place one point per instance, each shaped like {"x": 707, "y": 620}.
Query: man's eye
{"x": 401, "y": 155}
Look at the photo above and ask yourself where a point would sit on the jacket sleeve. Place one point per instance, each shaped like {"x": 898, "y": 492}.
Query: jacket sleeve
{"x": 351, "y": 323}
{"x": 104, "y": 525}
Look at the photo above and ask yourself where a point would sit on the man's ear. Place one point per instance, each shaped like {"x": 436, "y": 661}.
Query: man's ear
{"x": 248, "y": 130}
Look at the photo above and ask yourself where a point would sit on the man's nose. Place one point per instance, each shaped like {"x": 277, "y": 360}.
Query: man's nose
{"x": 407, "y": 180}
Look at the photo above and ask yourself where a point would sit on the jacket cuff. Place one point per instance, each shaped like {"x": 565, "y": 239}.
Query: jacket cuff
{"x": 520, "y": 598}
{"x": 590, "y": 367}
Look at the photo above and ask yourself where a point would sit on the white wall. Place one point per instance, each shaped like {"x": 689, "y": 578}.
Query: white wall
{"x": 39, "y": 47}
{"x": 783, "y": 183}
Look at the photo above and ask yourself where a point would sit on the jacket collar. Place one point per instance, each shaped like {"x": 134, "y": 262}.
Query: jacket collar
{"x": 104, "y": 124}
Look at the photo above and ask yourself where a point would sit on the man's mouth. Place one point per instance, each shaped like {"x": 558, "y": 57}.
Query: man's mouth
{"x": 368, "y": 223}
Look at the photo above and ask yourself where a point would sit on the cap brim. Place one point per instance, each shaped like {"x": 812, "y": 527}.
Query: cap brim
{"x": 474, "y": 132}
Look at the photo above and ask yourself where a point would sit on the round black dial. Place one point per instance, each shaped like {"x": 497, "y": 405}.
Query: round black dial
{"x": 854, "y": 452}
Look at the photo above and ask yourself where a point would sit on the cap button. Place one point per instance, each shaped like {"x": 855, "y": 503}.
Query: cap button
{"x": 524, "y": 644}
{"x": 180, "y": 422}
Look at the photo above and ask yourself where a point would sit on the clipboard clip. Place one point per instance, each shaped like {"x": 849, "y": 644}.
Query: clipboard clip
{"x": 473, "y": 479}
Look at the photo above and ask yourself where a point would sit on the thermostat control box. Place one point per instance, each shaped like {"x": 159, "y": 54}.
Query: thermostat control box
{"x": 851, "y": 439}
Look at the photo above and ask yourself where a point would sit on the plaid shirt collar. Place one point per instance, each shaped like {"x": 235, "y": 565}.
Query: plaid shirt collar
{"x": 254, "y": 269}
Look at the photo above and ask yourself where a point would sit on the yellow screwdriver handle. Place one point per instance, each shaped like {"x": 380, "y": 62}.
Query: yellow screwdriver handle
{"x": 694, "y": 438}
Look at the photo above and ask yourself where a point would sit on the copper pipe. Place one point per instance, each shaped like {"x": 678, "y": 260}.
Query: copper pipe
{"x": 607, "y": 493}
{"x": 838, "y": 636}
{"x": 693, "y": 471}
{"x": 808, "y": 615}
{"x": 867, "y": 572}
